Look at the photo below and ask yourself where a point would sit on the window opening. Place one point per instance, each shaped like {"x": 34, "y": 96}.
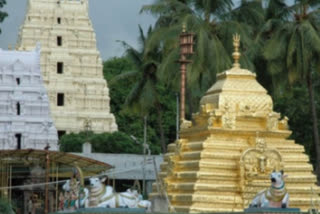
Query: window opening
{"x": 60, "y": 67}
{"x": 59, "y": 40}
{"x": 18, "y": 108}
{"x": 60, "y": 99}
{"x": 18, "y": 139}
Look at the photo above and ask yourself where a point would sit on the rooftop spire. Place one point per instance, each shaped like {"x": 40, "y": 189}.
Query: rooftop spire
{"x": 236, "y": 54}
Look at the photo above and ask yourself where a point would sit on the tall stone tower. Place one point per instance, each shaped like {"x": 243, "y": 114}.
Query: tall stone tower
{"x": 25, "y": 121}
{"x": 224, "y": 157}
{"x": 71, "y": 64}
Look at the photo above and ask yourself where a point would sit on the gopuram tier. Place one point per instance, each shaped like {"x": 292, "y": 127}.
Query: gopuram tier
{"x": 225, "y": 154}
{"x": 71, "y": 64}
{"x": 25, "y": 121}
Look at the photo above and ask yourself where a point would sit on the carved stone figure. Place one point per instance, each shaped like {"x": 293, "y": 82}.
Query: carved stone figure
{"x": 260, "y": 160}
{"x": 75, "y": 193}
{"x": 104, "y": 196}
{"x": 276, "y": 196}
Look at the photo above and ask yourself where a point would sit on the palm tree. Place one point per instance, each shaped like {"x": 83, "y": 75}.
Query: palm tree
{"x": 214, "y": 23}
{"x": 293, "y": 50}
{"x": 3, "y": 15}
{"x": 275, "y": 12}
{"x": 144, "y": 96}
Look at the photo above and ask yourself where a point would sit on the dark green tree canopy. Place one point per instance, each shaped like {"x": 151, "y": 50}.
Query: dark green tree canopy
{"x": 3, "y": 14}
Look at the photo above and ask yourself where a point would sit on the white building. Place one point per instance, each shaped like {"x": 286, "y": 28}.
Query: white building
{"x": 25, "y": 121}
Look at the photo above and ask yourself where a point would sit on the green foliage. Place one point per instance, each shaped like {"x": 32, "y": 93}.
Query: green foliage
{"x": 72, "y": 142}
{"x": 3, "y": 15}
{"x": 295, "y": 106}
{"x": 292, "y": 53}
{"x": 131, "y": 122}
{"x": 6, "y": 206}
{"x": 213, "y": 24}
{"x": 147, "y": 89}
{"x": 117, "y": 142}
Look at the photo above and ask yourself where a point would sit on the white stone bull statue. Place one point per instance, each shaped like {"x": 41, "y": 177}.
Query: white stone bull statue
{"x": 275, "y": 196}
{"x": 101, "y": 195}
{"x": 80, "y": 195}
{"x": 132, "y": 199}
{"x": 104, "y": 196}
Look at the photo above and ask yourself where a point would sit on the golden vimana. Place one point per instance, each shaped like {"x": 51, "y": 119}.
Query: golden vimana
{"x": 225, "y": 155}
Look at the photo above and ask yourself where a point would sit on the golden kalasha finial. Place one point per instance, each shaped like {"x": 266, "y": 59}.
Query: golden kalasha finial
{"x": 184, "y": 27}
{"x": 236, "y": 54}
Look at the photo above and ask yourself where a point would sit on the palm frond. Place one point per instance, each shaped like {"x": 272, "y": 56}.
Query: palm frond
{"x": 124, "y": 76}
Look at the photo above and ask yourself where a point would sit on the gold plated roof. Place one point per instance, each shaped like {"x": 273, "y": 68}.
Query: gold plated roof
{"x": 238, "y": 89}
{"x": 225, "y": 154}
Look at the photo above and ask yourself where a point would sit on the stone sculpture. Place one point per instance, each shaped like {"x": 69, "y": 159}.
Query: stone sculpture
{"x": 98, "y": 195}
{"x": 276, "y": 196}
{"x": 104, "y": 196}
{"x": 74, "y": 194}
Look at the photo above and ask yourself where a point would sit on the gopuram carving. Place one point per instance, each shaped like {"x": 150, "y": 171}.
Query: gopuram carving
{"x": 224, "y": 157}
{"x": 256, "y": 164}
{"x": 24, "y": 106}
{"x": 70, "y": 62}
{"x": 259, "y": 160}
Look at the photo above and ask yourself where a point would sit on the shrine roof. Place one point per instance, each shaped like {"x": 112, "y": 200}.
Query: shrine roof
{"x": 28, "y": 156}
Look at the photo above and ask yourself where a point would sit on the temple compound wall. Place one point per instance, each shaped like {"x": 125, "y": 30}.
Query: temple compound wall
{"x": 71, "y": 64}
{"x": 25, "y": 121}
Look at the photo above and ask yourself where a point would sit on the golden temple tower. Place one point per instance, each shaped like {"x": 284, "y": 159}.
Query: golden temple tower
{"x": 226, "y": 154}
{"x": 70, "y": 62}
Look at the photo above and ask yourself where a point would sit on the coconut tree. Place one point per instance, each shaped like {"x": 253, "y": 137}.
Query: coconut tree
{"x": 213, "y": 23}
{"x": 3, "y": 15}
{"x": 293, "y": 51}
{"x": 275, "y": 12}
{"x": 144, "y": 96}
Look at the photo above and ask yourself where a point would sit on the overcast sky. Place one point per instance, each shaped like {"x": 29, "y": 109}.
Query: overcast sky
{"x": 112, "y": 20}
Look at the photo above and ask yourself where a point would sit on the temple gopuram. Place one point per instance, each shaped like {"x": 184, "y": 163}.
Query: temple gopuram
{"x": 71, "y": 64}
{"x": 25, "y": 121}
{"x": 225, "y": 154}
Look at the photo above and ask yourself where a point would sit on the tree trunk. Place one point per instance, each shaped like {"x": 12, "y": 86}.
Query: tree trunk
{"x": 314, "y": 124}
{"x": 162, "y": 139}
